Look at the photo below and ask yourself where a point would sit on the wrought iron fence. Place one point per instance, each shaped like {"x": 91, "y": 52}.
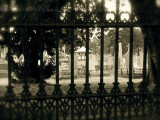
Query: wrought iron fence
{"x": 104, "y": 104}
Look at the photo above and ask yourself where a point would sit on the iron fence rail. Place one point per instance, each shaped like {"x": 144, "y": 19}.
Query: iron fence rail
{"x": 78, "y": 25}
{"x": 112, "y": 107}
{"x": 87, "y": 105}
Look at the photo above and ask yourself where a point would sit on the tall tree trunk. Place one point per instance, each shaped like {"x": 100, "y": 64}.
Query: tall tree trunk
{"x": 148, "y": 12}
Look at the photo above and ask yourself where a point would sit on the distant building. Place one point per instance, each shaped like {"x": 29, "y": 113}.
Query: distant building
{"x": 81, "y": 58}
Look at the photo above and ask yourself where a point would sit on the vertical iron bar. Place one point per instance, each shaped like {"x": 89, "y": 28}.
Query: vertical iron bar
{"x": 26, "y": 110}
{"x": 41, "y": 91}
{"x": 57, "y": 47}
{"x": 41, "y": 56}
{"x": 116, "y": 89}
{"x": 143, "y": 105}
{"x": 10, "y": 110}
{"x": 57, "y": 90}
{"x": 26, "y": 91}
{"x": 131, "y": 57}
{"x": 130, "y": 88}
{"x": 87, "y": 55}
{"x": 57, "y": 109}
{"x": 9, "y": 87}
{"x": 72, "y": 89}
{"x": 116, "y": 83}
{"x": 72, "y": 43}
{"x": 72, "y": 109}
{"x": 102, "y": 61}
{"x": 145, "y": 58}
{"x": 87, "y": 88}
{"x": 24, "y": 40}
{"x": 57, "y": 56}
{"x": 41, "y": 33}
{"x": 9, "y": 58}
{"x": 86, "y": 84}
{"x": 8, "y": 37}
{"x": 101, "y": 84}
{"x": 72, "y": 55}
{"x": 41, "y": 110}
{"x": 101, "y": 89}
{"x": 87, "y": 109}
{"x": 116, "y": 42}
{"x": 87, "y": 45}
{"x": 115, "y": 108}
{"x": 41, "y": 43}
{"x": 116, "y": 55}
{"x": 101, "y": 108}
{"x": 10, "y": 92}
{"x": 129, "y": 107}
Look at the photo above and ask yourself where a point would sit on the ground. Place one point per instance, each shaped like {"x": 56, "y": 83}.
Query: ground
{"x": 108, "y": 80}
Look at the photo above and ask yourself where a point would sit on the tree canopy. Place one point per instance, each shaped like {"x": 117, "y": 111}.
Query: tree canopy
{"x": 38, "y": 11}
{"x": 124, "y": 38}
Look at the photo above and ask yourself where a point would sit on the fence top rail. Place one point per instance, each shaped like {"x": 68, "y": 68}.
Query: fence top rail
{"x": 2, "y": 98}
{"x": 83, "y": 25}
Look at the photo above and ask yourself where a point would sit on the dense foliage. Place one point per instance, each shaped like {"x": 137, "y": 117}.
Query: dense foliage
{"x": 49, "y": 37}
{"x": 124, "y": 38}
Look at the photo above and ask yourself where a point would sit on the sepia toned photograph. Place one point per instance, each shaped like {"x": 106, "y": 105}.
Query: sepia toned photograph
{"x": 79, "y": 59}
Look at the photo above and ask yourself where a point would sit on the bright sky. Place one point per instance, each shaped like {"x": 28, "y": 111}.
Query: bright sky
{"x": 124, "y": 6}
{"x": 111, "y": 6}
